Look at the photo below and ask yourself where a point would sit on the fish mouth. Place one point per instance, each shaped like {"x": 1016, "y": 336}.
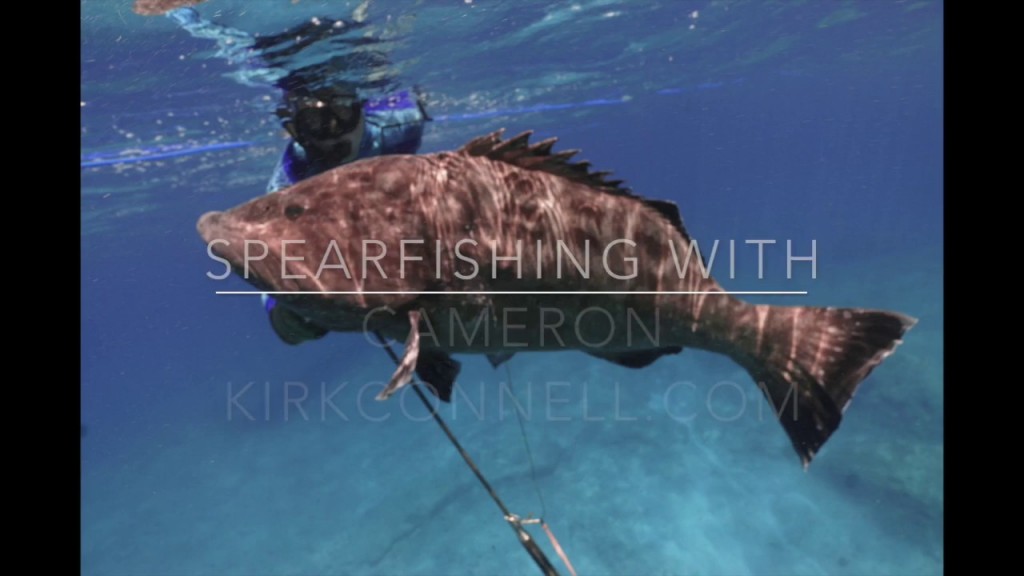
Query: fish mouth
{"x": 225, "y": 241}
{"x": 208, "y": 225}
{"x": 221, "y": 238}
{"x": 233, "y": 241}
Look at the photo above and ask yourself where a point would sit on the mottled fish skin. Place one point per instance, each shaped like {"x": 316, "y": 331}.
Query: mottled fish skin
{"x": 456, "y": 196}
{"x": 807, "y": 360}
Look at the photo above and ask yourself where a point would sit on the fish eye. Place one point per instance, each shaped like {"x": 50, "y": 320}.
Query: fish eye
{"x": 293, "y": 211}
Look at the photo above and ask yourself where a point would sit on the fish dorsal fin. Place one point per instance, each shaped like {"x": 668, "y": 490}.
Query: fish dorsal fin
{"x": 669, "y": 210}
{"x": 519, "y": 152}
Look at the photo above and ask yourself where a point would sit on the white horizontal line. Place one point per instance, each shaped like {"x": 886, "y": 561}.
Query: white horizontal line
{"x": 520, "y": 292}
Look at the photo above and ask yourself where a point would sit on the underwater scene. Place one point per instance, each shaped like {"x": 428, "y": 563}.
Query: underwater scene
{"x": 489, "y": 287}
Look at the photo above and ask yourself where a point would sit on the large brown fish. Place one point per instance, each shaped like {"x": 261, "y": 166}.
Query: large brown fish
{"x": 424, "y": 248}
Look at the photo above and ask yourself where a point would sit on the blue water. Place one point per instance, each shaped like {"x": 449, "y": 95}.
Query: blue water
{"x": 792, "y": 120}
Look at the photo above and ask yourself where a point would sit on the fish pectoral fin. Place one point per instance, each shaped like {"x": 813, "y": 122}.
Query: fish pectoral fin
{"x": 438, "y": 371}
{"x": 403, "y": 374}
{"x": 499, "y": 358}
{"x": 638, "y": 359}
{"x": 292, "y": 328}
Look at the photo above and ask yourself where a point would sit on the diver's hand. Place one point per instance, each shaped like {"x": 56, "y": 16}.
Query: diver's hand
{"x": 421, "y": 102}
{"x": 184, "y": 16}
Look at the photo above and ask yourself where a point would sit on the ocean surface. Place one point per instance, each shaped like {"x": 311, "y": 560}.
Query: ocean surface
{"x": 209, "y": 447}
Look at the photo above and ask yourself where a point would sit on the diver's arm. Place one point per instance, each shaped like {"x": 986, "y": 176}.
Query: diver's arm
{"x": 279, "y": 179}
{"x": 291, "y": 167}
{"x": 395, "y": 123}
{"x": 232, "y": 44}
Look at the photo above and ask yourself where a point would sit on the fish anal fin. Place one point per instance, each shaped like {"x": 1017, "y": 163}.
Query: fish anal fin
{"x": 499, "y": 358}
{"x": 438, "y": 371}
{"x": 639, "y": 358}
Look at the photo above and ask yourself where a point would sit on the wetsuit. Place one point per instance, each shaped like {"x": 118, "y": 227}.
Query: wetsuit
{"x": 394, "y": 125}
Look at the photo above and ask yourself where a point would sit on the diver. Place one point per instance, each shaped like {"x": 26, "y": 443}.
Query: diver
{"x": 330, "y": 127}
{"x": 333, "y": 126}
{"x": 329, "y": 124}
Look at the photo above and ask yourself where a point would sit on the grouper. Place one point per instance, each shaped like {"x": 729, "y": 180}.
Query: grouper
{"x": 503, "y": 247}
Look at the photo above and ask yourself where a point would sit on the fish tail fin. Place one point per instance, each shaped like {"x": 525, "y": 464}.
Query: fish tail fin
{"x": 808, "y": 362}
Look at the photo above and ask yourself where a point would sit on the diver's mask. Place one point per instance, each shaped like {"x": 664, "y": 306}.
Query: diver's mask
{"x": 326, "y": 123}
